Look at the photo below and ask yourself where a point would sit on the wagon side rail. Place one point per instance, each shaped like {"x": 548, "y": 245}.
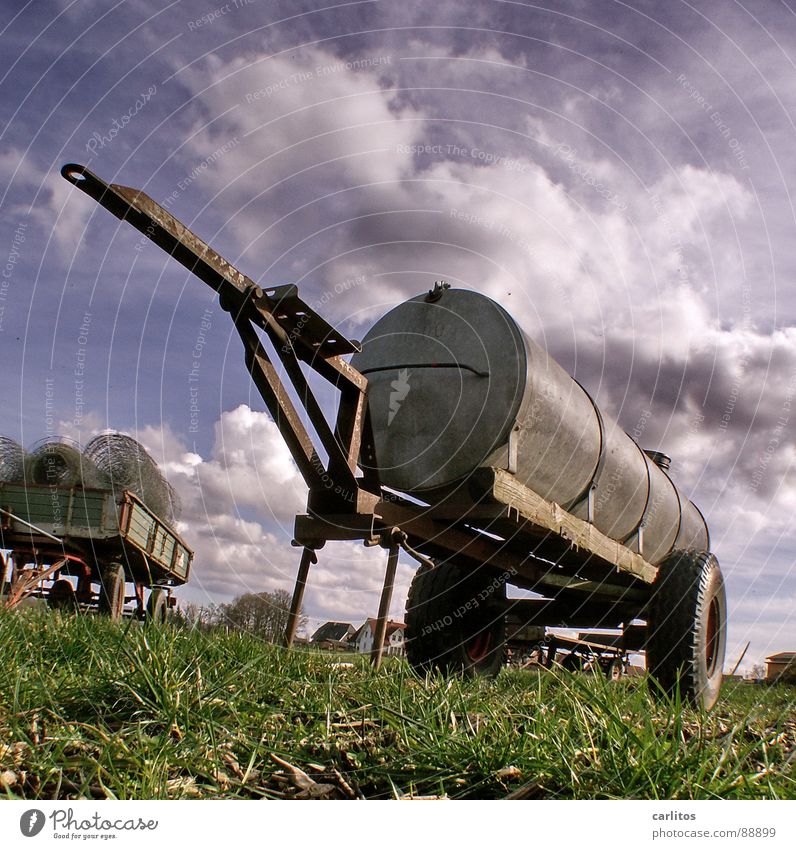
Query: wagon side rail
{"x": 59, "y": 512}
{"x": 159, "y": 545}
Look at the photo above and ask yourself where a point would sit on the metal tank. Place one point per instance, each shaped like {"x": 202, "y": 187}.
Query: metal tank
{"x": 454, "y": 384}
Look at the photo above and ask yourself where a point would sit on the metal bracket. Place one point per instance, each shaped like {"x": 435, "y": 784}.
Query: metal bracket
{"x": 638, "y": 531}
{"x": 587, "y": 493}
{"x": 511, "y": 465}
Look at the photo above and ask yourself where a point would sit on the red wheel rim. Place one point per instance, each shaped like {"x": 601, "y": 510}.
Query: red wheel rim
{"x": 478, "y": 648}
{"x": 712, "y": 636}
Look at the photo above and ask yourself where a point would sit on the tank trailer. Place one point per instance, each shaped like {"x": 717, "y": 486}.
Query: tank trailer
{"x": 460, "y": 441}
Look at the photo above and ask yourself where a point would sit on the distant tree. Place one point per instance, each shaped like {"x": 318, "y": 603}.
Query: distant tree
{"x": 263, "y": 614}
{"x": 192, "y": 615}
{"x": 759, "y": 671}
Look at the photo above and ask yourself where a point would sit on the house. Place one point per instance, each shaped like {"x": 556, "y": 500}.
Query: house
{"x": 781, "y": 667}
{"x": 333, "y": 635}
{"x": 393, "y": 637}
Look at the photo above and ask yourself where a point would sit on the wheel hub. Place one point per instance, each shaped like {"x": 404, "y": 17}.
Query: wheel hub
{"x": 478, "y": 647}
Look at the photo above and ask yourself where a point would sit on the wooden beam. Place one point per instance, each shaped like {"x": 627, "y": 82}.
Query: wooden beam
{"x": 569, "y": 613}
{"x": 384, "y": 608}
{"x": 547, "y": 517}
{"x": 308, "y": 556}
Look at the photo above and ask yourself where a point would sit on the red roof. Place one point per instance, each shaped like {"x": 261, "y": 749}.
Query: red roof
{"x": 392, "y": 627}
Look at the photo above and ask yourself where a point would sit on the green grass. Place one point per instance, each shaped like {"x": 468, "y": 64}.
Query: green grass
{"x": 90, "y": 709}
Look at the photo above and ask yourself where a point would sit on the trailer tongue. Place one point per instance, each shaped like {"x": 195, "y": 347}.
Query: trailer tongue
{"x": 447, "y": 401}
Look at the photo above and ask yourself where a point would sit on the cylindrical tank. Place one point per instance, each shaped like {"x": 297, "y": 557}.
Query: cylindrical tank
{"x": 454, "y": 384}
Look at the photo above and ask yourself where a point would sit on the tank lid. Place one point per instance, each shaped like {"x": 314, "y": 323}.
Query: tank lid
{"x": 661, "y": 460}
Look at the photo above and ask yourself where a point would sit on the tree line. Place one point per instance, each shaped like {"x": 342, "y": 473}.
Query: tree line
{"x": 263, "y": 614}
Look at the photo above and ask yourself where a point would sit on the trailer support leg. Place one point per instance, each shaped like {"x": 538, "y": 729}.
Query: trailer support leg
{"x": 552, "y": 651}
{"x": 140, "y": 607}
{"x": 308, "y": 556}
{"x": 384, "y": 607}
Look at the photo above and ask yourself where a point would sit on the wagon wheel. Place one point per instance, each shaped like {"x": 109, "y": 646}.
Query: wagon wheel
{"x": 62, "y": 595}
{"x": 157, "y": 606}
{"x": 455, "y": 620}
{"x": 573, "y": 662}
{"x": 687, "y": 627}
{"x": 112, "y": 590}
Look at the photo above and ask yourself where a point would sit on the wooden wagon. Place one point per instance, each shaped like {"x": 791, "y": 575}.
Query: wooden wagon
{"x": 80, "y": 547}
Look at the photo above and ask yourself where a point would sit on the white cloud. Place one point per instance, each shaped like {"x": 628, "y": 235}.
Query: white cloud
{"x": 238, "y": 510}
{"x": 302, "y": 118}
{"x": 91, "y": 424}
{"x": 59, "y": 210}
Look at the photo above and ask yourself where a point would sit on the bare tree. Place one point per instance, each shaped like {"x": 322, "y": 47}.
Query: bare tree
{"x": 262, "y": 614}
{"x": 192, "y": 615}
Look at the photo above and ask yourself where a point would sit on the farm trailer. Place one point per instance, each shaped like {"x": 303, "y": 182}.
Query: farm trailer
{"x": 99, "y": 538}
{"x": 589, "y": 651}
{"x": 460, "y": 441}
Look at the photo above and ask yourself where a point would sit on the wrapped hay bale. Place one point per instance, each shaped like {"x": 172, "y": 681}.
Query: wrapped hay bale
{"x": 59, "y": 462}
{"x": 12, "y": 461}
{"x": 126, "y": 464}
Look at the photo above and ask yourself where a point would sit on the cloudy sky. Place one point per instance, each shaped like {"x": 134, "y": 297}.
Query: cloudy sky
{"x": 616, "y": 174}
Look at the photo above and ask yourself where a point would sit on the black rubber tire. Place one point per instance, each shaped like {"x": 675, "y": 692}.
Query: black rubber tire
{"x": 112, "y": 591}
{"x": 455, "y": 621}
{"x": 573, "y": 662}
{"x": 687, "y": 627}
{"x": 157, "y": 606}
{"x": 62, "y": 595}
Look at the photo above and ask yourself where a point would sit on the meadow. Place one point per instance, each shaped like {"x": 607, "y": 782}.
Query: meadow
{"x": 92, "y": 709}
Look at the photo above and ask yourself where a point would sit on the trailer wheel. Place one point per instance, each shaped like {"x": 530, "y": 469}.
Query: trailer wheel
{"x": 157, "y": 607}
{"x": 112, "y": 591}
{"x": 62, "y": 595}
{"x": 574, "y": 662}
{"x": 687, "y": 627}
{"x": 615, "y": 670}
{"x": 455, "y": 621}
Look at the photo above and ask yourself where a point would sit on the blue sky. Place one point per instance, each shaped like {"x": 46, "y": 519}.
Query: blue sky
{"x": 617, "y": 174}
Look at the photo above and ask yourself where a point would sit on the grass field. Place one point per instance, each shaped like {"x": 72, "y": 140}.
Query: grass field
{"x": 95, "y": 710}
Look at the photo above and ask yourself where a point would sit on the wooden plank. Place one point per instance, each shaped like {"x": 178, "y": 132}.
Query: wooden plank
{"x": 163, "y": 550}
{"x": 140, "y": 526}
{"x": 570, "y": 613}
{"x": 87, "y": 508}
{"x": 181, "y": 562}
{"x": 64, "y": 511}
{"x": 595, "y": 588}
{"x": 549, "y": 517}
{"x": 573, "y": 643}
{"x": 461, "y": 542}
{"x": 41, "y": 506}
{"x": 418, "y": 523}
